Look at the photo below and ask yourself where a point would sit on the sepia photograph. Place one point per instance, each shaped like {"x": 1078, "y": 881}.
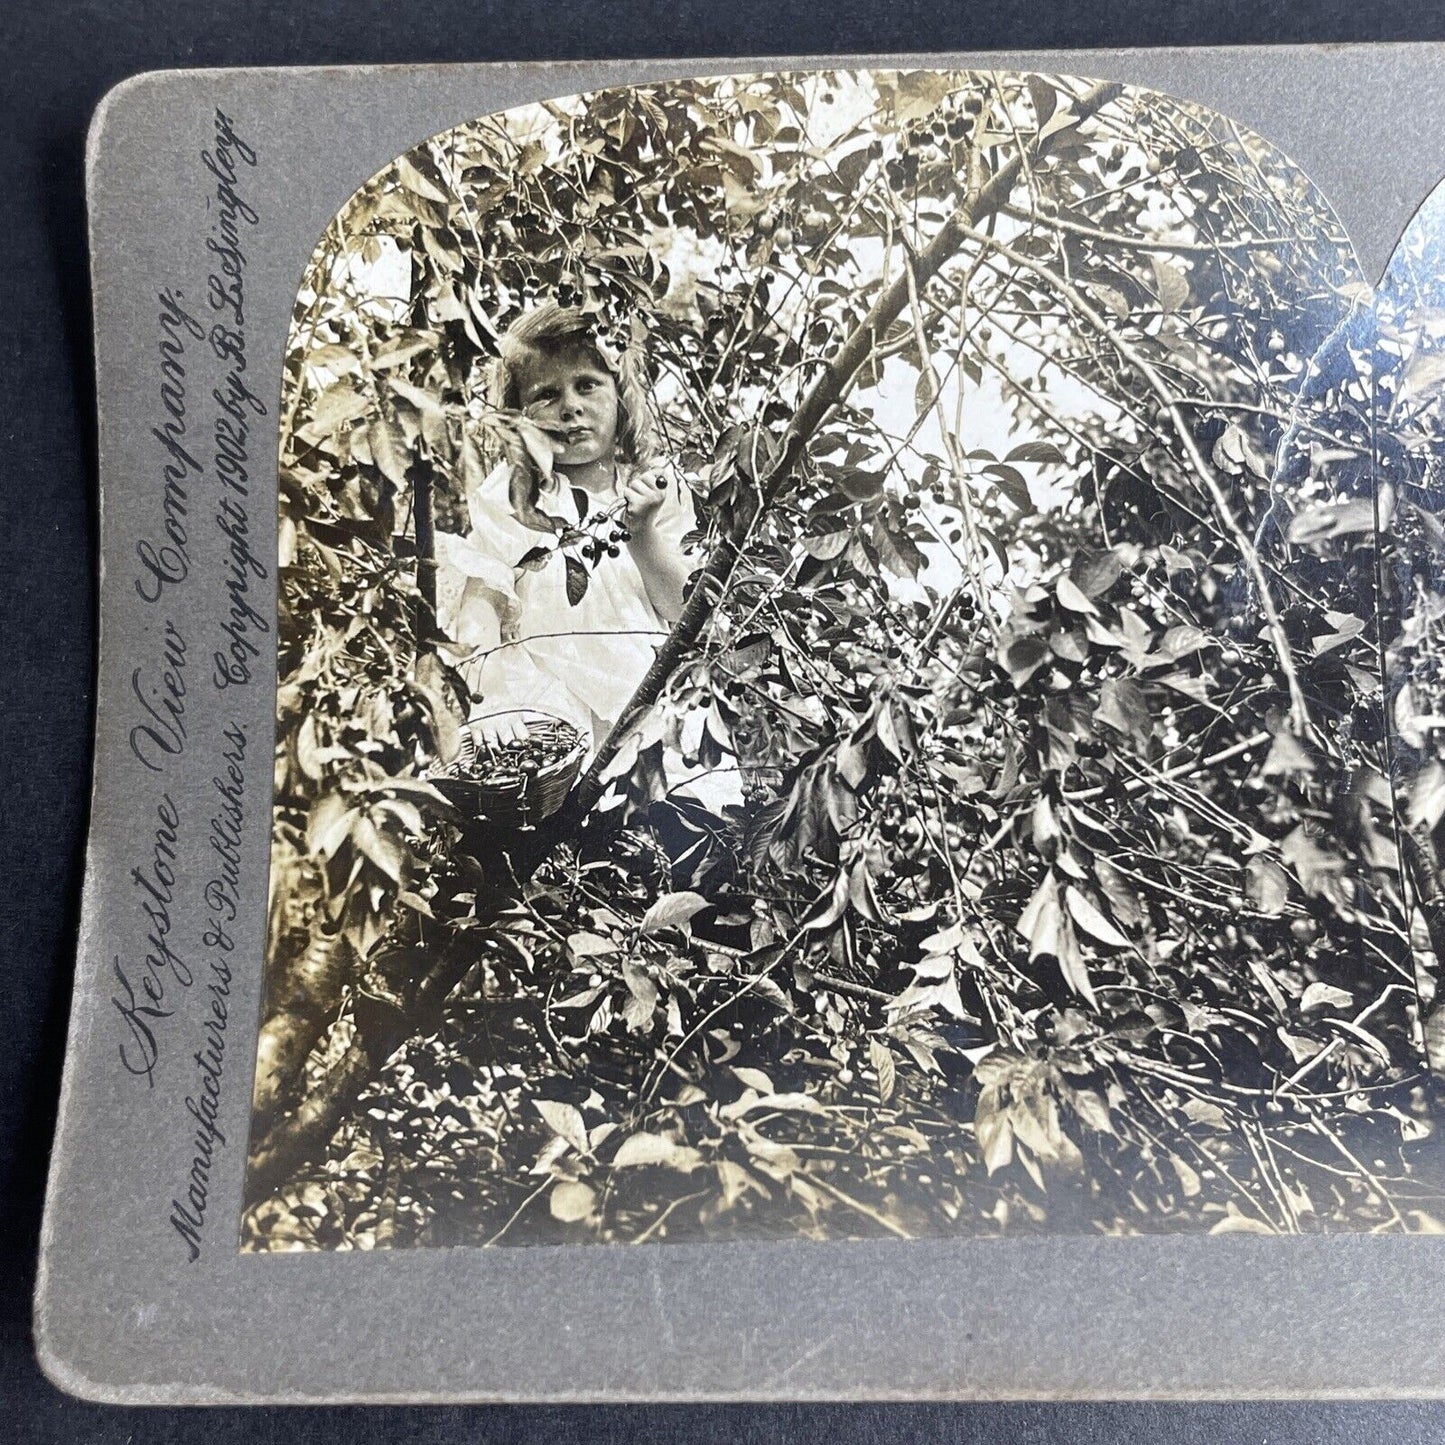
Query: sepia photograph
{"x": 859, "y": 657}
{"x": 1400, "y": 348}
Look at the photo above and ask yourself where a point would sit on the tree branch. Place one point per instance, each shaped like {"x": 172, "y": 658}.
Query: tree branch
{"x": 1164, "y": 394}
{"x": 424, "y": 526}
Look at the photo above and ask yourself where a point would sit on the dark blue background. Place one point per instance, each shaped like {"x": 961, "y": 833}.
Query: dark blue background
{"x": 58, "y": 60}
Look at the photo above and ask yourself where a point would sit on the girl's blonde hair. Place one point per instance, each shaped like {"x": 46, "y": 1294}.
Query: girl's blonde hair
{"x": 548, "y": 329}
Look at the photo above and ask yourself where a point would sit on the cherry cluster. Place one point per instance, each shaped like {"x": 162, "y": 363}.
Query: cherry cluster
{"x": 931, "y": 143}
{"x": 609, "y": 532}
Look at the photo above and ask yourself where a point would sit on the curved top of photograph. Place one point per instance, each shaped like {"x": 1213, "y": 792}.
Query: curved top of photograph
{"x": 711, "y": 205}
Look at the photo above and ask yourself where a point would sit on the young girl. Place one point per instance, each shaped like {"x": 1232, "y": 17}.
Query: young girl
{"x": 520, "y": 641}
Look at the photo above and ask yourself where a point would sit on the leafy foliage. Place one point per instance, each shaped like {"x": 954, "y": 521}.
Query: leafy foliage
{"x": 1057, "y": 881}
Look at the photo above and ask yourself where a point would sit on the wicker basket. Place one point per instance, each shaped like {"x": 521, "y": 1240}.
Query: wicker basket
{"x": 510, "y": 785}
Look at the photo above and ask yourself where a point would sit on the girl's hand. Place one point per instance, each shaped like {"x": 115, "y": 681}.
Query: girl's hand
{"x": 644, "y": 492}
{"x": 500, "y": 729}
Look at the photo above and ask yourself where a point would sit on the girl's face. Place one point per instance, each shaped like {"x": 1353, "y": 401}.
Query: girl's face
{"x": 573, "y": 396}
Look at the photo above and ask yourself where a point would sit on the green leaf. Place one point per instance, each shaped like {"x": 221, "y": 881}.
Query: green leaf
{"x": 638, "y": 1015}
{"x": 424, "y": 401}
{"x": 402, "y": 349}
{"x": 1036, "y": 452}
{"x": 1190, "y": 1183}
{"x": 1057, "y": 123}
{"x": 328, "y": 824}
{"x": 1093, "y": 1110}
{"x": 768, "y": 989}
{"x": 881, "y": 1058}
{"x": 1122, "y": 706}
{"x": 1206, "y": 1114}
{"x": 1012, "y": 484}
{"x": 935, "y": 985}
{"x": 1324, "y": 996}
{"x": 1171, "y": 285}
{"x": 1424, "y": 373}
{"x": 656, "y": 1149}
{"x": 926, "y": 389}
{"x": 1072, "y": 646}
{"x": 888, "y": 732}
{"x": 1314, "y": 866}
{"x": 736, "y": 1182}
{"x": 538, "y": 444}
{"x": 415, "y": 902}
{"x": 994, "y": 1132}
{"x": 1113, "y": 299}
{"x": 1044, "y": 97}
{"x": 897, "y": 551}
{"x": 1322, "y": 520}
{"x": 1287, "y": 757}
{"x": 673, "y": 910}
{"x": 916, "y": 93}
{"x": 1435, "y": 1039}
{"x": 339, "y": 360}
{"x": 1179, "y": 641}
{"x": 582, "y": 997}
{"x": 1046, "y": 825}
{"x": 1071, "y": 597}
{"x": 1347, "y": 628}
{"x": 1266, "y": 885}
{"x": 640, "y": 986}
{"x": 382, "y": 850}
{"x": 564, "y": 1121}
{"x": 447, "y": 714}
{"x": 1023, "y": 657}
{"x": 829, "y": 909}
{"x": 754, "y": 1079}
{"x": 1087, "y": 915}
{"x": 750, "y": 1100}
{"x": 577, "y": 580}
{"x": 338, "y": 407}
{"x": 851, "y": 168}
{"x": 1074, "y": 969}
{"x": 589, "y": 945}
{"x": 1426, "y": 793}
{"x": 945, "y": 940}
{"x": 1042, "y": 921}
{"x": 860, "y": 486}
{"x": 828, "y": 546}
{"x": 572, "y": 1201}
{"x": 414, "y": 181}
{"x": 852, "y": 763}
{"x": 1235, "y": 1222}
{"x": 388, "y": 448}
{"x": 757, "y": 453}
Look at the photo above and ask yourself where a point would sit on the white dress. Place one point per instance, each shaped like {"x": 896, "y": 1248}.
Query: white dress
{"x": 517, "y": 640}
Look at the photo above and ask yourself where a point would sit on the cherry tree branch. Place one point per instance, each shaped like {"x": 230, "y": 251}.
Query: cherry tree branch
{"x": 1164, "y": 394}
